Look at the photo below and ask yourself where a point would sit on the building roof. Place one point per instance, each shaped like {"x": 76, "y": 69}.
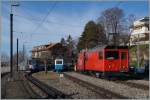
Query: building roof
{"x": 141, "y": 22}
{"x": 44, "y": 47}
{"x": 52, "y": 45}
{"x": 144, "y": 19}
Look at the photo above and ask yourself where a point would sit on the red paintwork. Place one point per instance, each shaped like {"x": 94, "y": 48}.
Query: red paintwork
{"x": 92, "y": 62}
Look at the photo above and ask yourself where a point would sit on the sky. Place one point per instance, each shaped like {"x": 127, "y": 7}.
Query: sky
{"x": 41, "y": 22}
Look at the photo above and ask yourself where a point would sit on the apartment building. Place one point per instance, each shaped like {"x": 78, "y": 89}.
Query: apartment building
{"x": 140, "y": 31}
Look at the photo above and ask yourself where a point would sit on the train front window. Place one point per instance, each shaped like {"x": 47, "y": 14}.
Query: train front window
{"x": 58, "y": 62}
{"x": 111, "y": 55}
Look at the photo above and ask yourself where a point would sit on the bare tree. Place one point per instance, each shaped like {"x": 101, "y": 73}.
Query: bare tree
{"x": 131, "y": 18}
{"x": 4, "y": 59}
{"x": 113, "y": 20}
{"x": 20, "y": 57}
{"x": 63, "y": 42}
{"x": 44, "y": 58}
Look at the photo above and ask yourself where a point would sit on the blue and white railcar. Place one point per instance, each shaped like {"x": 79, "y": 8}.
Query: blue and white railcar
{"x": 59, "y": 65}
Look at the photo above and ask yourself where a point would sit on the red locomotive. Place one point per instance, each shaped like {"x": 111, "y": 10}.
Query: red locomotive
{"x": 104, "y": 60}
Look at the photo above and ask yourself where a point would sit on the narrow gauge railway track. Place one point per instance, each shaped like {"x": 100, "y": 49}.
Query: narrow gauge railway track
{"x": 50, "y": 91}
{"x": 134, "y": 85}
{"x": 28, "y": 88}
{"x": 125, "y": 82}
{"x": 107, "y": 94}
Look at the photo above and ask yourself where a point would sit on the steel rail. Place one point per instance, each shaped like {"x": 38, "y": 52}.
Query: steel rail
{"x": 123, "y": 80}
{"x": 105, "y": 93}
{"x": 50, "y": 91}
{"x": 134, "y": 85}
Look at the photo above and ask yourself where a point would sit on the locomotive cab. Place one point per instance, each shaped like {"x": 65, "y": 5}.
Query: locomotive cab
{"x": 116, "y": 60}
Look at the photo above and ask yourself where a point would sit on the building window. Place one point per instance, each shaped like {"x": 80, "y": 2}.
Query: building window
{"x": 112, "y": 55}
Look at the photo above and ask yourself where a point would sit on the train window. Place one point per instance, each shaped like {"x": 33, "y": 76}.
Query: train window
{"x": 111, "y": 55}
{"x": 100, "y": 55}
{"x": 32, "y": 62}
{"x": 58, "y": 62}
{"x": 123, "y": 55}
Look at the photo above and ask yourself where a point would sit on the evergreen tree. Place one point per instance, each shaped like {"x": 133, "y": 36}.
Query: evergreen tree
{"x": 63, "y": 42}
{"x": 70, "y": 45}
{"x": 71, "y": 50}
{"x": 92, "y": 36}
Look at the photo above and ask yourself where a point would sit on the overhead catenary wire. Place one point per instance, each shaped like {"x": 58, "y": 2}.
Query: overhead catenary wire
{"x": 25, "y": 39}
{"x": 46, "y": 21}
{"x": 30, "y": 33}
{"x": 44, "y": 18}
{"x": 50, "y": 11}
{"x": 49, "y": 21}
{"x": 118, "y": 4}
{"x": 27, "y": 18}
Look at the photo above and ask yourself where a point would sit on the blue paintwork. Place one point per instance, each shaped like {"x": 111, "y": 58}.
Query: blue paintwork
{"x": 59, "y": 67}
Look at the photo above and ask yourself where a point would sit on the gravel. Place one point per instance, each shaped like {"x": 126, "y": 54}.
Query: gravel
{"x": 124, "y": 90}
{"x": 143, "y": 82}
{"x": 4, "y": 80}
{"x": 67, "y": 86}
{"x": 15, "y": 89}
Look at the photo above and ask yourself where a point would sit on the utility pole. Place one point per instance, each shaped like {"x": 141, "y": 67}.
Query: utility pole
{"x": 11, "y": 40}
{"x": 138, "y": 52}
{"x": 17, "y": 54}
{"x": 23, "y": 52}
{"x": 11, "y": 44}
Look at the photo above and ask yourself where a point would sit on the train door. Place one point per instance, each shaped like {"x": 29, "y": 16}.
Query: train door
{"x": 123, "y": 61}
{"x": 84, "y": 60}
{"x": 81, "y": 61}
{"x": 111, "y": 60}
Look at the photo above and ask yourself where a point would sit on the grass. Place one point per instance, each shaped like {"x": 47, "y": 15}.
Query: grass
{"x": 43, "y": 75}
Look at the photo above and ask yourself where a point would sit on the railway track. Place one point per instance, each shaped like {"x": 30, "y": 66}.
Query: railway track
{"x": 50, "y": 91}
{"x": 124, "y": 81}
{"x": 134, "y": 85}
{"x": 107, "y": 94}
{"x": 28, "y": 88}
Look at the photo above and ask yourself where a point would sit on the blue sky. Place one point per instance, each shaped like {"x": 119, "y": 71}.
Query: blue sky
{"x": 65, "y": 18}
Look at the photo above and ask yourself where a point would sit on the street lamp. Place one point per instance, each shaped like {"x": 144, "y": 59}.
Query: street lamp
{"x": 11, "y": 38}
{"x": 16, "y": 4}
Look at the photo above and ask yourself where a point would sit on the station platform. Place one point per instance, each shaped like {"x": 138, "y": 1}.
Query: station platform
{"x": 14, "y": 88}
